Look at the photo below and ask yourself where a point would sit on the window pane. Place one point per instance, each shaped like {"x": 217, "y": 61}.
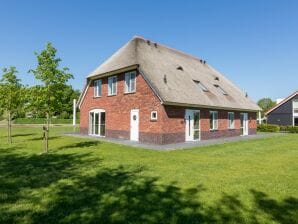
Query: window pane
{"x": 132, "y": 82}
{"x": 102, "y": 123}
{"x": 114, "y": 85}
{"x": 96, "y": 123}
{"x": 211, "y": 120}
{"x": 97, "y": 88}
{"x": 201, "y": 86}
{"x": 91, "y": 123}
{"x": 231, "y": 119}
{"x": 215, "y": 125}
{"x": 196, "y": 135}
{"x": 196, "y": 120}
{"x": 127, "y": 82}
{"x": 110, "y": 86}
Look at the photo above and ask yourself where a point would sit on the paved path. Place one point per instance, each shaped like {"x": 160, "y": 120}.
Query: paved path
{"x": 183, "y": 145}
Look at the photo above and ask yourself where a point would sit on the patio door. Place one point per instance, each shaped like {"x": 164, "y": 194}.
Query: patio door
{"x": 192, "y": 125}
{"x": 97, "y": 122}
{"x": 244, "y": 123}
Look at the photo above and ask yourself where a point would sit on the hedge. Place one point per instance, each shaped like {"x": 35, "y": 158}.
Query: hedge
{"x": 291, "y": 129}
{"x": 42, "y": 121}
{"x": 268, "y": 128}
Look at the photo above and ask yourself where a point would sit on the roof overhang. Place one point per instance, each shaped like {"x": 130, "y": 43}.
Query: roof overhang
{"x": 207, "y": 106}
{"x": 116, "y": 71}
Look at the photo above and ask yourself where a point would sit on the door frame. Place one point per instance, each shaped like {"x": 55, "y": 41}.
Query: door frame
{"x": 95, "y": 111}
{"x": 189, "y": 125}
{"x": 137, "y": 132}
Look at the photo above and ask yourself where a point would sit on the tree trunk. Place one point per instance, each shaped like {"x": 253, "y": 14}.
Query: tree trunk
{"x": 46, "y": 143}
{"x": 9, "y": 128}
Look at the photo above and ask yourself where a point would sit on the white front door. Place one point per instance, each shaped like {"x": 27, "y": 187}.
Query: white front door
{"x": 192, "y": 125}
{"x": 244, "y": 123}
{"x": 134, "y": 125}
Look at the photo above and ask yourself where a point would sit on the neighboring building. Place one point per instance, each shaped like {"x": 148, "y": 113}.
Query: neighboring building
{"x": 151, "y": 93}
{"x": 285, "y": 112}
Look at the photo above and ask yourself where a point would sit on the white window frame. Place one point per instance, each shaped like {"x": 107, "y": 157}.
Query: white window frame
{"x": 214, "y": 121}
{"x": 151, "y": 116}
{"x": 112, "y": 91}
{"x": 231, "y": 125}
{"x": 128, "y": 81}
{"x": 97, "y": 87}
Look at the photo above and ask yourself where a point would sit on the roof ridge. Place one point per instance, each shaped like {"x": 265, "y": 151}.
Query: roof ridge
{"x": 169, "y": 48}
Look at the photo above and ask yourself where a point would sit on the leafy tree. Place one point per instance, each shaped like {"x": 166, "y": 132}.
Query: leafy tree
{"x": 265, "y": 104}
{"x": 48, "y": 95}
{"x": 11, "y": 97}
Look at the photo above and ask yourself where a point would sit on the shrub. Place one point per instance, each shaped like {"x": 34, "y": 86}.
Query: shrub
{"x": 292, "y": 129}
{"x": 283, "y": 128}
{"x": 268, "y": 128}
{"x": 64, "y": 115}
{"x": 42, "y": 121}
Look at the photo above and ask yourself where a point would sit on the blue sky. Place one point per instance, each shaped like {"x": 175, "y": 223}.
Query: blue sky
{"x": 254, "y": 43}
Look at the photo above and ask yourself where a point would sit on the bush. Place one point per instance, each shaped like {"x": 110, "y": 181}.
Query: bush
{"x": 283, "y": 128}
{"x": 292, "y": 129}
{"x": 42, "y": 121}
{"x": 64, "y": 115}
{"x": 268, "y": 128}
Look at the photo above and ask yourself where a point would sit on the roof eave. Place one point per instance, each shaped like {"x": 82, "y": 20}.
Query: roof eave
{"x": 207, "y": 106}
{"x": 113, "y": 72}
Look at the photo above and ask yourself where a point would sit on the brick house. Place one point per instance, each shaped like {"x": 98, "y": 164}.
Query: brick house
{"x": 151, "y": 93}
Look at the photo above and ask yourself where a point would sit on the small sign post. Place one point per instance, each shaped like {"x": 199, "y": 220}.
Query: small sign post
{"x": 74, "y": 114}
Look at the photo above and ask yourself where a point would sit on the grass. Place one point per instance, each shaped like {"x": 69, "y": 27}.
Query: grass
{"x": 87, "y": 181}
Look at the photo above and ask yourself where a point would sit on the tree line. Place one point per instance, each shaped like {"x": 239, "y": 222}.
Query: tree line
{"x": 52, "y": 97}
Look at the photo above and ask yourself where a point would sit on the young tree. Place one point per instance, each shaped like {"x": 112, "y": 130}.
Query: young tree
{"x": 265, "y": 104}
{"x": 10, "y": 96}
{"x": 47, "y": 97}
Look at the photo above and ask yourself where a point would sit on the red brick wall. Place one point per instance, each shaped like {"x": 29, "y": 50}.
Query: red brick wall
{"x": 170, "y": 125}
{"x": 174, "y": 122}
{"x": 118, "y": 108}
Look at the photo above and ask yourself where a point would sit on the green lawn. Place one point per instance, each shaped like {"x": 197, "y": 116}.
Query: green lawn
{"x": 85, "y": 181}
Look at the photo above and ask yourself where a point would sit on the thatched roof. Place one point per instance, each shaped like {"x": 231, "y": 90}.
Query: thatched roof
{"x": 172, "y": 75}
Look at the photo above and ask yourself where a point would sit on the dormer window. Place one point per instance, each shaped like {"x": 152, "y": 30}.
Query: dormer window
{"x": 201, "y": 86}
{"x": 221, "y": 89}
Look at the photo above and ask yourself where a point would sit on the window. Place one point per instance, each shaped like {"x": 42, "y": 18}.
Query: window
{"x": 112, "y": 86}
{"x": 130, "y": 82}
{"x": 201, "y": 86}
{"x": 231, "y": 120}
{"x": 213, "y": 120}
{"x": 222, "y": 91}
{"x": 295, "y": 107}
{"x": 154, "y": 115}
{"x": 97, "y": 88}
